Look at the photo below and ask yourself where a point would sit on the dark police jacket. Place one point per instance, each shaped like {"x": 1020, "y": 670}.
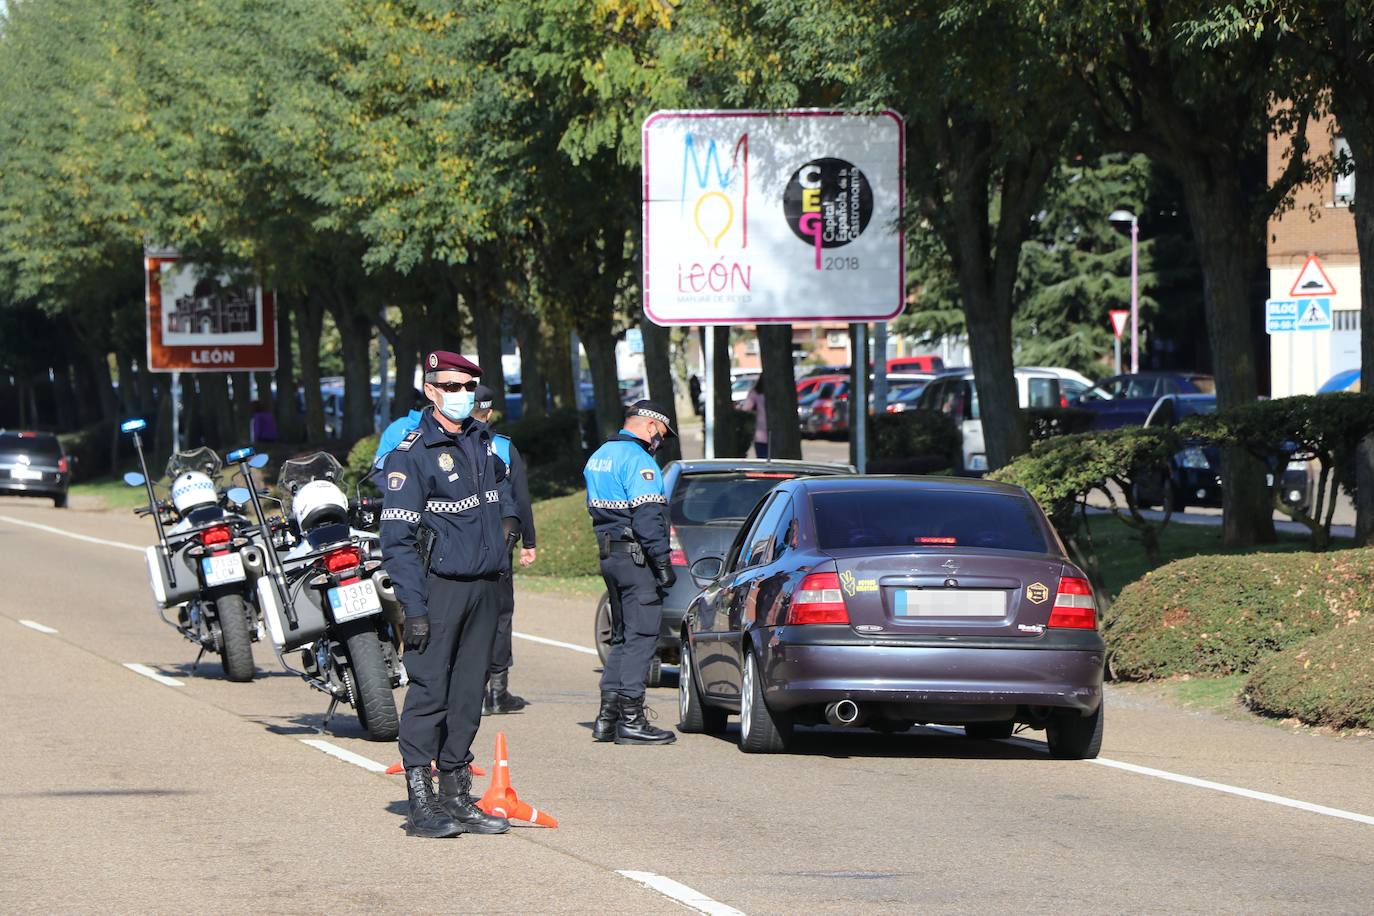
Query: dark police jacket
{"x": 625, "y": 490}
{"x": 455, "y": 486}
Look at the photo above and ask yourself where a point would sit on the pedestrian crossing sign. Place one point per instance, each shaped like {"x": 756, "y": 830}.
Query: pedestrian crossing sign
{"x": 1315, "y": 315}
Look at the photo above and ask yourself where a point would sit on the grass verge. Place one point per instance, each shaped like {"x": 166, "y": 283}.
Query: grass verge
{"x": 112, "y": 493}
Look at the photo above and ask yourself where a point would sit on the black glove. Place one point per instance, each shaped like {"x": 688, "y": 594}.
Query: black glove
{"x": 664, "y": 575}
{"x": 417, "y": 633}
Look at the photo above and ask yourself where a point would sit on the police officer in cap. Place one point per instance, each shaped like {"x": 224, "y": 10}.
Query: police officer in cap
{"x": 498, "y": 699}
{"x": 446, "y": 518}
{"x": 630, "y": 517}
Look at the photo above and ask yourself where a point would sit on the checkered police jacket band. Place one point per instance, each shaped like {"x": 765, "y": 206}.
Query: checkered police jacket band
{"x": 400, "y": 515}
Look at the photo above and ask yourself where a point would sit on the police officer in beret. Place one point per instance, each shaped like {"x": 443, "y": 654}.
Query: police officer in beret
{"x": 499, "y": 700}
{"x": 446, "y": 517}
{"x": 630, "y": 517}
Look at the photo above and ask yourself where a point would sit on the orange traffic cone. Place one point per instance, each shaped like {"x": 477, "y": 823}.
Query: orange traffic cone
{"x": 398, "y": 768}
{"x": 501, "y": 799}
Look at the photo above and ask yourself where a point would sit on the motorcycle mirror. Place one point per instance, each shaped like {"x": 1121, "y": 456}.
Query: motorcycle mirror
{"x": 133, "y": 426}
{"x": 239, "y": 495}
{"x": 258, "y": 461}
{"x": 238, "y": 455}
{"x": 134, "y": 479}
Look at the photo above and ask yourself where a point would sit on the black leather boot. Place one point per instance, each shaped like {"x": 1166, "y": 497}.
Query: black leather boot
{"x": 455, "y": 794}
{"x": 634, "y": 728}
{"x": 427, "y": 817}
{"x": 603, "y": 729}
{"x": 499, "y": 700}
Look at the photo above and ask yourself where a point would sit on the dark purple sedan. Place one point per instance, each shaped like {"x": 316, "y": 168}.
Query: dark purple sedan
{"x": 891, "y": 601}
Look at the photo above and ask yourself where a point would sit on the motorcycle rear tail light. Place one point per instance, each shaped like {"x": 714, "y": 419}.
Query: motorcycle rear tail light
{"x": 212, "y": 537}
{"x": 1073, "y": 605}
{"x": 819, "y": 600}
{"x": 344, "y": 559}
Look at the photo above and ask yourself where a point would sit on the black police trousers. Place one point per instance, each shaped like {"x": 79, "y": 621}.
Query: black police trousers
{"x": 443, "y": 705}
{"x": 501, "y": 653}
{"x": 636, "y": 614}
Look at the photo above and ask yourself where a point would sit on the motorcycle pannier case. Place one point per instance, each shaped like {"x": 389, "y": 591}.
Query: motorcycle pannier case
{"x": 188, "y": 579}
{"x": 310, "y": 618}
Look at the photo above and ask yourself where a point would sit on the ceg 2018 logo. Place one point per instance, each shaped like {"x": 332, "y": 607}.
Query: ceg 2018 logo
{"x": 828, "y": 204}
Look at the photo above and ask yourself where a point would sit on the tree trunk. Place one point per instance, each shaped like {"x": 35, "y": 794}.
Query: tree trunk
{"x": 480, "y": 298}
{"x": 216, "y": 409}
{"x": 355, "y": 337}
{"x": 658, "y": 381}
{"x": 288, "y": 414}
{"x": 128, "y": 390}
{"x": 558, "y": 356}
{"x": 309, "y": 325}
{"x": 161, "y": 439}
{"x": 779, "y": 390}
{"x": 600, "y": 347}
{"x": 530, "y": 337}
{"x": 724, "y": 440}
{"x": 405, "y": 353}
{"x": 1228, "y": 249}
{"x": 1356, "y": 118}
{"x": 241, "y": 416}
{"x": 64, "y": 400}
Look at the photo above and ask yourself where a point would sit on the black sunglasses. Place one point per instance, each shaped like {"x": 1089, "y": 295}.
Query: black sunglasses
{"x": 456, "y": 386}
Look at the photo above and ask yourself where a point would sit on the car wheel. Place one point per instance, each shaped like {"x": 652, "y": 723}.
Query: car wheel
{"x": 655, "y": 676}
{"x": 60, "y": 502}
{"x": 694, "y": 716}
{"x": 1074, "y": 737}
{"x": 760, "y": 731}
{"x": 602, "y": 633}
{"x": 989, "y": 731}
{"x": 892, "y": 726}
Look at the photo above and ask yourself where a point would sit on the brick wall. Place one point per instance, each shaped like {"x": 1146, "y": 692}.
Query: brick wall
{"x": 1314, "y": 225}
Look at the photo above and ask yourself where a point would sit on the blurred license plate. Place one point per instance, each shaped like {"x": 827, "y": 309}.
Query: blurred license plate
{"x": 223, "y": 569}
{"x": 26, "y": 474}
{"x": 356, "y": 600}
{"x": 949, "y": 602}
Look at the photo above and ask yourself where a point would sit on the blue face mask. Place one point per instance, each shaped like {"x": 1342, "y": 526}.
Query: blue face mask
{"x": 457, "y": 405}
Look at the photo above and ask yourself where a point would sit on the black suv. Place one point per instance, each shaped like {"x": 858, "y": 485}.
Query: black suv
{"x": 33, "y": 464}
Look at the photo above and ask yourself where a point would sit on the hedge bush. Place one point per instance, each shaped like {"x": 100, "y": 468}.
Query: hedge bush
{"x": 546, "y": 439}
{"x": 1218, "y": 615}
{"x": 1328, "y": 680}
{"x": 913, "y": 442}
{"x": 566, "y": 544}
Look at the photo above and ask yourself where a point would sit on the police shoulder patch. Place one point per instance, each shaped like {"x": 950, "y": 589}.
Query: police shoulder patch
{"x": 395, "y": 480}
{"x": 646, "y": 473}
{"x": 405, "y": 444}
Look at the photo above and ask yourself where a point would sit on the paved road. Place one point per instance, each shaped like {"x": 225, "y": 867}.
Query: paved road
{"x": 122, "y": 793}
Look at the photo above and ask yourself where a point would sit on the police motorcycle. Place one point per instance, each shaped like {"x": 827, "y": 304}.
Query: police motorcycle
{"x": 204, "y": 565}
{"x": 325, "y": 595}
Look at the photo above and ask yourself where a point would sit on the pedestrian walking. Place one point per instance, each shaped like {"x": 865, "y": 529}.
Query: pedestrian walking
{"x": 445, "y": 520}
{"x": 498, "y": 699}
{"x": 630, "y": 518}
{"x": 755, "y": 402}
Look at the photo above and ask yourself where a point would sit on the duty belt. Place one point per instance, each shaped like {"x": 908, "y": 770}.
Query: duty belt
{"x": 622, "y": 546}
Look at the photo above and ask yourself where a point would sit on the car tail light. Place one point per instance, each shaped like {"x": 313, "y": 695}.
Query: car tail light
{"x": 676, "y": 555}
{"x": 823, "y": 410}
{"x": 62, "y": 465}
{"x": 219, "y": 534}
{"x": 1073, "y": 605}
{"x": 343, "y": 559}
{"x": 1063, "y": 400}
{"x": 819, "y": 600}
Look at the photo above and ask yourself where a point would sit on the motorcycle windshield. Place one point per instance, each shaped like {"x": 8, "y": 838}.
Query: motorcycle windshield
{"x": 197, "y": 459}
{"x": 298, "y": 472}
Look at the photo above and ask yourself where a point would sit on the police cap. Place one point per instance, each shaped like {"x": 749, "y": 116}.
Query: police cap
{"x": 653, "y": 411}
{"x": 483, "y": 398}
{"x": 446, "y": 360}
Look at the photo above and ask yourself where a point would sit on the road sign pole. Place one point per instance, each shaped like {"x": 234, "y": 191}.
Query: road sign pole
{"x": 1135, "y": 295}
{"x": 176, "y": 411}
{"x": 708, "y": 445}
{"x": 1116, "y": 346}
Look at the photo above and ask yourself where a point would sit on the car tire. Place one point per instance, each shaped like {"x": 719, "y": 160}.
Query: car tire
{"x": 60, "y": 502}
{"x": 760, "y": 730}
{"x": 892, "y": 726}
{"x": 989, "y": 731}
{"x": 694, "y": 716}
{"x": 602, "y": 627}
{"x": 655, "y": 676}
{"x": 1074, "y": 737}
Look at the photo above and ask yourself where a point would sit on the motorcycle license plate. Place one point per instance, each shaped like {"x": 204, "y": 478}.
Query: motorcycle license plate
{"x": 222, "y": 569}
{"x": 358, "y": 599}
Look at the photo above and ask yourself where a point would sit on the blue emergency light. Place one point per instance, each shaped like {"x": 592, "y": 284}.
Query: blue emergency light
{"x": 239, "y": 454}
{"x": 133, "y": 426}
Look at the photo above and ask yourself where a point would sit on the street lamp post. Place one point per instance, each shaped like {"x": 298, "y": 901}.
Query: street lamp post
{"x": 1121, "y": 217}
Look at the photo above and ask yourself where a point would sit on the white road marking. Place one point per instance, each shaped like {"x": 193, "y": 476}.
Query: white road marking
{"x": 680, "y": 892}
{"x": 1197, "y": 783}
{"x": 1235, "y": 790}
{"x": 147, "y": 672}
{"x": 70, "y": 534}
{"x": 35, "y": 625}
{"x": 347, "y": 756}
{"x": 554, "y": 642}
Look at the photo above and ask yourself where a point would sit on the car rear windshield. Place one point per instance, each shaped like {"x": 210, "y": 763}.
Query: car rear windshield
{"x": 33, "y": 444}
{"x": 926, "y": 518}
{"x": 700, "y": 499}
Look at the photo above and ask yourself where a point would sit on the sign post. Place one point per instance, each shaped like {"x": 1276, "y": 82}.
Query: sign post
{"x": 1119, "y": 317}
{"x": 752, "y": 217}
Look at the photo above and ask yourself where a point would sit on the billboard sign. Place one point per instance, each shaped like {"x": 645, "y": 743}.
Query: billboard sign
{"x": 773, "y": 216}
{"x": 203, "y": 321}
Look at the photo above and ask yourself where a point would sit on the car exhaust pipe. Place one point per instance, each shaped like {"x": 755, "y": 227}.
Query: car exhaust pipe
{"x": 844, "y": 714}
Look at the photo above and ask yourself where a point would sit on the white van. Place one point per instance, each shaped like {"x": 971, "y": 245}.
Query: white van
{"x": 953, "y": 393}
